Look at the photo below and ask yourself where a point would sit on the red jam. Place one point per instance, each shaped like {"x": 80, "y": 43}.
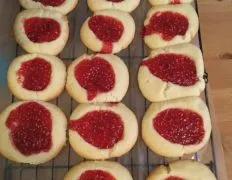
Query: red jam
{"x": 96, "y": 175}
{"x": 53, "y": 3}
{"x": 30, "y": 126}
{"x": 35, "y": 74}
{"x": 107, "y": 29}
{"x": 168, "y": 24}
{"x": 96, "y": 76}
{"x": 175, "y": 2}
{"x": 175, "y": 68}
{"x": 102, "y": 129}
{"x": 40, "y": 30}
{"x": 174, "y": 178}
{"x": 180, "y": 126}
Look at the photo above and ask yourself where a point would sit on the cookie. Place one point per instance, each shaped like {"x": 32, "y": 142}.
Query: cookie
{"x": 161, "y": 2}
{"x": 63, "y": 6}
{"x": 180, "y": 170}
{"x": 90, "y": 170}
{"x": 32, "y": 132}
{"x": 41, "y": 31}
{"x": 102, "y": 131}
{"x": 122, "y": 5}
{"x": 36, "y": 77}
{"x": 108, "y": 31}
{"x": 177, "y": 127}
{"x": 97, "y": 78}
{"x": 172, "y": 72}
{"x": 169, "y": 25}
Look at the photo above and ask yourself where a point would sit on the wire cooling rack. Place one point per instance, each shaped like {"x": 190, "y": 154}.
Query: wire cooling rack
{"x": 140, "y": 161}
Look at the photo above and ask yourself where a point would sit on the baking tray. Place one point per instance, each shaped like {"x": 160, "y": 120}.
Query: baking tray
{"x": 140, "y": 160}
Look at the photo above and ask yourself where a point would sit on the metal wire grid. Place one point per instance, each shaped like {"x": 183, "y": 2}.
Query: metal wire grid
{"x": 15, "y": 171}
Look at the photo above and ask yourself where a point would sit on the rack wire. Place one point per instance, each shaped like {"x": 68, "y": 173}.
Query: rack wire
{"x": 140, "y": 161}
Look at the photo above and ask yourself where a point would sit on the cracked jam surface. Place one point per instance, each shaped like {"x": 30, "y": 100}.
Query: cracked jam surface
{"x": 53, "y": 3}
{"x": 168, "y": 24}
{"x": 95, "y": 76}
{"x": 107, "y": 29}
{"x": 180, "y": 126}
{"x": 174, "y": 178}
{"x": 35, "y": 74}
{"x": 175, "y": 68}
{"x": 96, "y": 175}
{"x": 102, "y": 129}
{"x": 40, "y": 30}
{"x": 30, "y": 126}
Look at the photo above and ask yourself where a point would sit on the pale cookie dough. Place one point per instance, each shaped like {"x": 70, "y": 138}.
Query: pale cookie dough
{"x": 53, "y": 89}
{"x": 53, "y": 47}
{"x": 159, "y": 2}
{"x": 65, "y": 7}
{"x": 164, "y": 147}
{"x": 114, "y": 169}
{"x": 89, "y": 151}
{"x": 89, "y": 38}
{"x": 59, "y": 124}
{"x": 155, "y": 89}
{"x": 155, "y": 40}
{"x": 123, "y": 5}
{"x": 185, "y": 169}
{"x": 119, "y": 90}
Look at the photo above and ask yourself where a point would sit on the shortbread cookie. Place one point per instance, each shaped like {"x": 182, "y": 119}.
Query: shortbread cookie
{"x": 32, "y": 132}
{"x": 36, "y": 77}
{"x": 102, "y": 131}
{"x": 181, "y": 170}
{"x": 122, "y": 5}
{"x": 108, "y": 31}
{"x": 41, "y": 31}
{"x": 172, "y": 72}
{"x": 63, "y": 6}
{"x": 168, "y": 25}
{"x": 159, "y": 2}
{"x": 98, "y": 170}
{"x": 177, "y": 127}
{"x": 97, "y": 78}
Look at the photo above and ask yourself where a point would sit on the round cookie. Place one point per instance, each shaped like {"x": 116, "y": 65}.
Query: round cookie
{"x": 169, "y": 25}
{"x": 41, "y": 31}
{"x": 108, "y": 31}
{"x": 36, "y": 77}
{"x": 97, "y": 78}
{"x": 180, "y": 170}
{"x": 122, "y": 5}
{"x": 98, "y": 170}
{"x": 160, "y": 2}
{"x": 172, "y": 72}
{"x": 177, "y": 127}
{"x": 32, "y": 132}
{"x": 102, "y": 131}
{"x": 63, "y": 6}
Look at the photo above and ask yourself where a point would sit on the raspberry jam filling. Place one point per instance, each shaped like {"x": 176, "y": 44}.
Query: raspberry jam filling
{"x": 174, "y": 178}
{"x": 175, "y": 2}
{"x": 102, "y": 129}
{"x": 53, "y": 3}
{"x": 40, "y": 30}
{"x": 35, "y": 74}
{"x": 107, "y": 29}
{"x": 175, "y": 68}
{"x": 168, "y": 24}
{"x": 96, "y": 175}
{"x": 180, "y": 126}
{"x": 96, "y": 76}
{"x": 30, "y": 127}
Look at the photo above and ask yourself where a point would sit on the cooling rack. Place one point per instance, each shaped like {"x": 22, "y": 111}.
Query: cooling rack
{"x": 140, "y": 160}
